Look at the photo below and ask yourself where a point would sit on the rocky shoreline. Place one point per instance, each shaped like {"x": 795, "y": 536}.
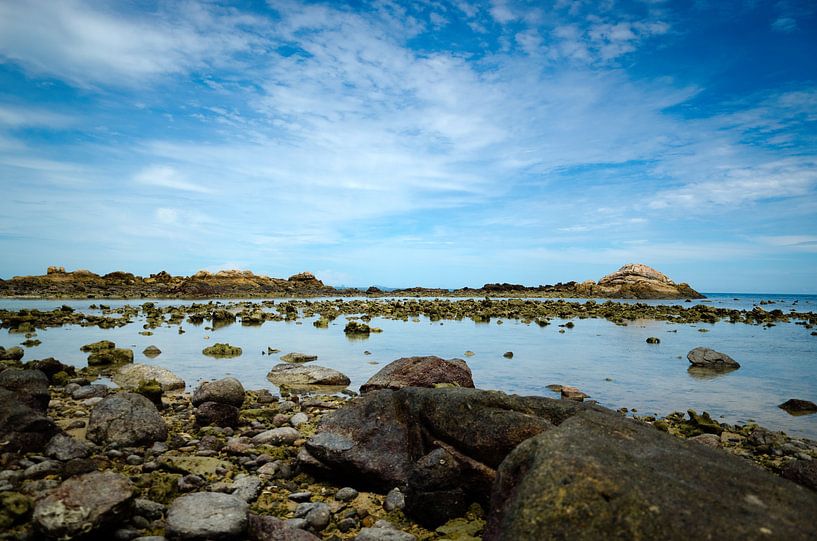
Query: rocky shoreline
{"x": 420, "y": 455}
{"x": 632, "y": 281}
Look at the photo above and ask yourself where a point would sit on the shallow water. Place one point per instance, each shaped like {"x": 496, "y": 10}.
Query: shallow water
{"x": 612, "y": 363}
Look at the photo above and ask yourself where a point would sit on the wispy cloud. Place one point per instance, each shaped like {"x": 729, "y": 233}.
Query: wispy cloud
{"x": 91, "y": 43}
{"x": 168, "y": 177}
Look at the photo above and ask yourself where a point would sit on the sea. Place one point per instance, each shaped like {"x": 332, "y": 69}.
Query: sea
{"x": 611, "y": 363}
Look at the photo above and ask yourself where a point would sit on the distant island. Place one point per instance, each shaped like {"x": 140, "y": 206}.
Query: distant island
{"x": 632, "y": 281}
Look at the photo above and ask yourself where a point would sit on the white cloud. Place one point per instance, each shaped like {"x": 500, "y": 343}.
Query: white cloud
{"x": 168, "y": 177}
{"x": 88, "y": 43}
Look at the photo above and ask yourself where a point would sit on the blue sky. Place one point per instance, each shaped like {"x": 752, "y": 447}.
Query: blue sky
{"x": 413, "y": 143}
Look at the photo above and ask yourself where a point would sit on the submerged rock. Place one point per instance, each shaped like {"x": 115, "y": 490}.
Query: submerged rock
{"x": 795, "y": 406}
{"x": 83, "y": 504}
{"x": 420, "y": 372}
{"x": 602, "y": 476}
{"x": 296, "y": 357}
{"x": 151, "y": 352}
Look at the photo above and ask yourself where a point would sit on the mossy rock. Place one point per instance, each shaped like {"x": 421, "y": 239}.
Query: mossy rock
{"x": 322, "y": 323}
{"x": 159, "y": 486}
{"x": 14, "y": 509}
{"x": 152, "y": 390}
{"x": 110, "y": 356}
{"x": 98, "y": 346}
{"x": 222, "y": 350}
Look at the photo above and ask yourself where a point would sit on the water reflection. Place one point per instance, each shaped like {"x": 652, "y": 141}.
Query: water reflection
{"x": 699, "y": 372}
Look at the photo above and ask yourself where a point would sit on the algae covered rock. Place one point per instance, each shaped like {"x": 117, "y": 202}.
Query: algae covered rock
{"x": 102, "y": 345}
{"x": 11, "y": 354}
{"x": 110, "y": 356}
{"x": 602, "y": 476}
{"x": 222, "y": 350}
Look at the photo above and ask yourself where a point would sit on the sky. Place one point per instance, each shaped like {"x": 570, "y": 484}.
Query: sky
{"x": 434, "y": 143}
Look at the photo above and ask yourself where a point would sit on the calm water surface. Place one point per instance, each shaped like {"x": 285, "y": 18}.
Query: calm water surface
{"x": 612, "y": 363}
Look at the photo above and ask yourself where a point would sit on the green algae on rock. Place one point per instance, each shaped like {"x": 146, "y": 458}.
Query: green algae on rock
{"x": 222, "y": 350}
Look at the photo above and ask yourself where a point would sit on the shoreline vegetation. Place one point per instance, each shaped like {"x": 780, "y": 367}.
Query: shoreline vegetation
{"x": 632, "y": 281}
{"x": 420, "y": 454}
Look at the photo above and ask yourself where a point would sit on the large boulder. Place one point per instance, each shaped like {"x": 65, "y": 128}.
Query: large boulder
{"x": 443, "y": 445}
{"x": 224, "y": 391}
{"x": 132, "y": 376}
{"x": 295, "y": 375}
{"x": 83, "y": 504}
{"x": 126, "y": 419}
{"x": 207, "y": 515}
{"x": 22, "y": 428}
{"x": 602, "y": 476}
{"x": 639, "y": 281}
{"x": 30, "y": 386}
{"x": 420, "y": 372}
{"x": 701, "y": 357}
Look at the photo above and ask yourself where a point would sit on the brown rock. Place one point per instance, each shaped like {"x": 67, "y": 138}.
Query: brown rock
{"x": 420, "y": 372}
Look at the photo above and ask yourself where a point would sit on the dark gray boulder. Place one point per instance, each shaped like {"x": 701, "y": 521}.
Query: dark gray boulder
{"x": 709, "y": 358}
{"x": 217, "y": 414}
{"x": 83, "y": 504}
{"x": 420, "y": 372}
{"x": 64, "y": 447}
{"x": 207, "y": 515}
{"x": 22, "y": 429}
{"x": 601, "y": 476}
{"x": 126, "y": 419}
{"x": 30, "y": 386}
{"x": 386, "y": 439}
{"x": 224, "y": 391}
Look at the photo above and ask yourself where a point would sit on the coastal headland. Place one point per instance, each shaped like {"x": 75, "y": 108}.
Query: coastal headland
{"x": 632, "y": 281}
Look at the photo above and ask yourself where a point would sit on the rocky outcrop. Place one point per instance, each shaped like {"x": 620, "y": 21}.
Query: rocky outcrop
{"x": 420, "y": 372}
{"x": 442, "y": 445}
{"x": 602, "y": 476}
{"x": 641, "y": 282}
{"x": 228, "y": 283}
